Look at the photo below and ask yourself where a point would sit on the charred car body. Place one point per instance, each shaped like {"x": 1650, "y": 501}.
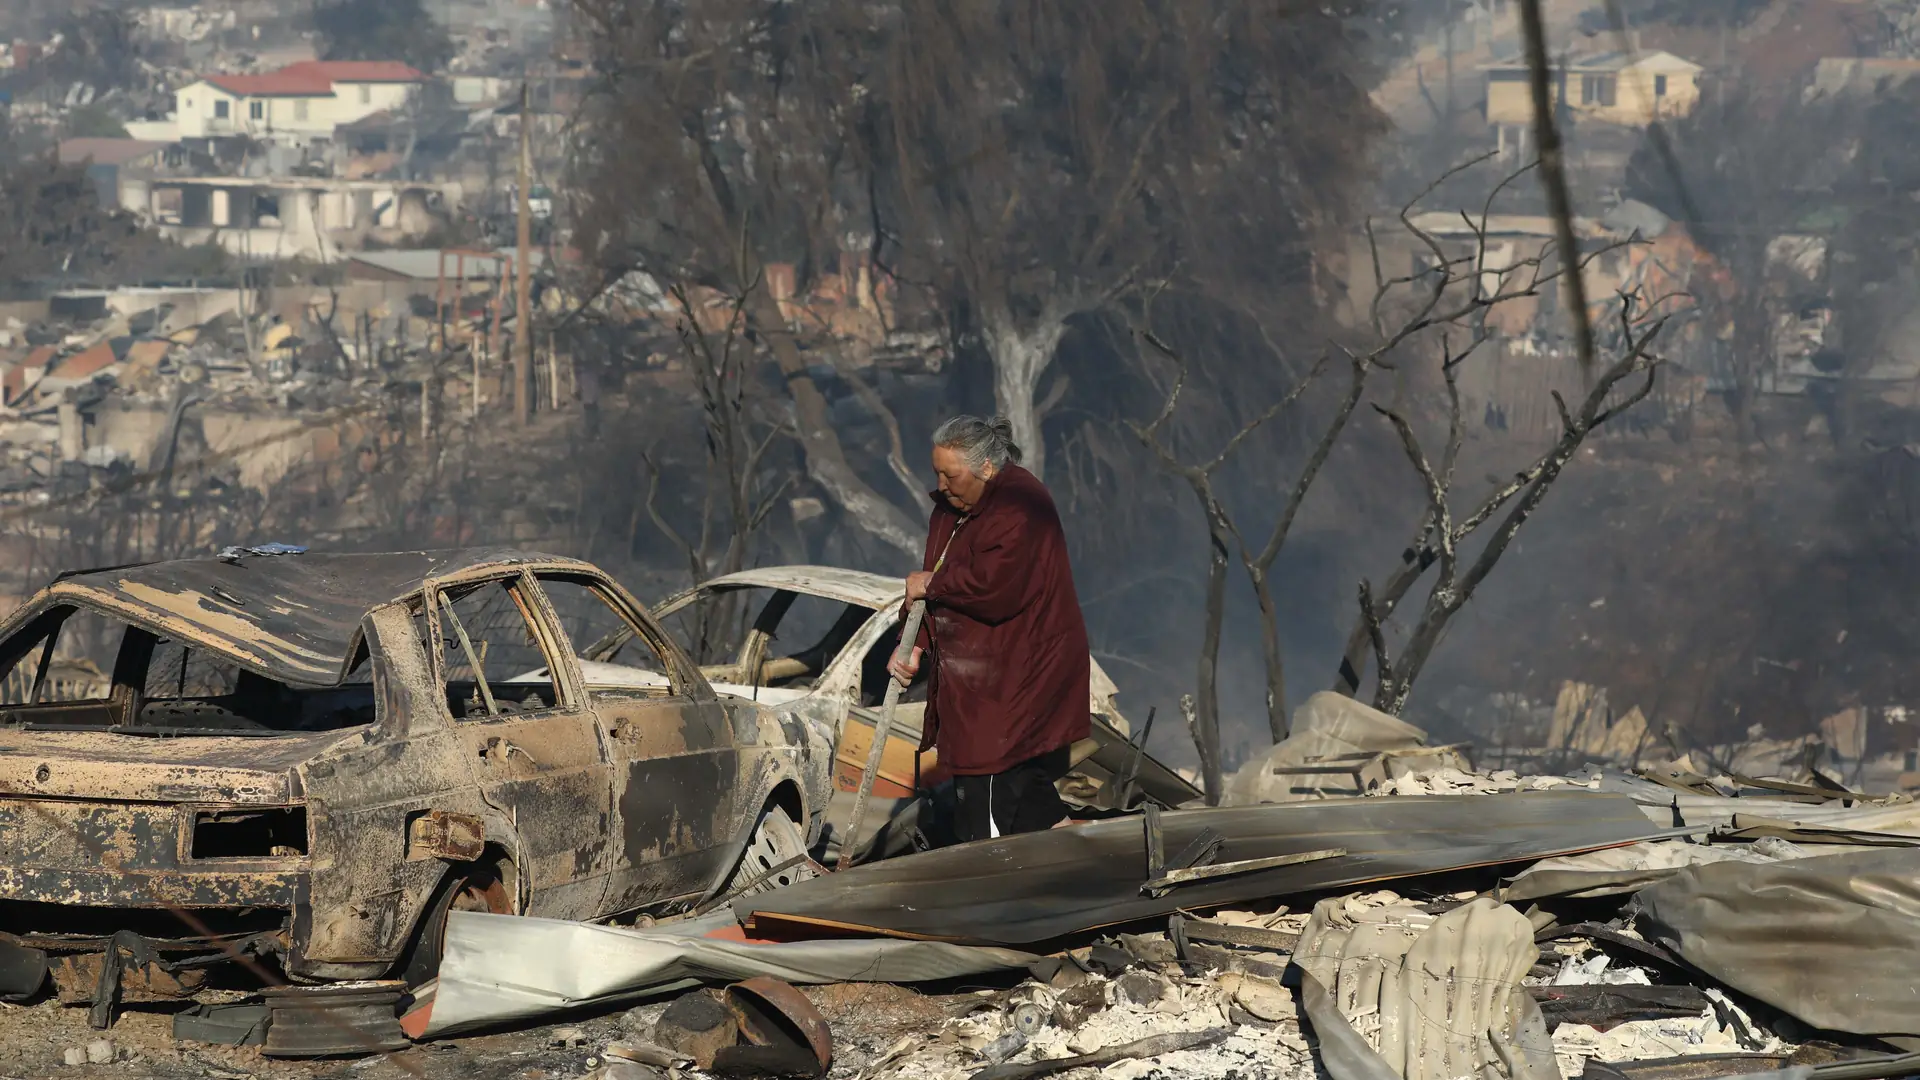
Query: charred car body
{"x": 311, "y": 758}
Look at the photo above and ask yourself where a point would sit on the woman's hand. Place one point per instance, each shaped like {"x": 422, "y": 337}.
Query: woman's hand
{"x": 904, "y": 670}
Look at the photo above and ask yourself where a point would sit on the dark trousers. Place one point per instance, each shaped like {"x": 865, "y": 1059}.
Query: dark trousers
{"x": 1022, "y": 799}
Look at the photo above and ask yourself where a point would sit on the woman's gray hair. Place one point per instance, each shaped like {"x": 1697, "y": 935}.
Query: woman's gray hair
{"x": 980, "y": 442}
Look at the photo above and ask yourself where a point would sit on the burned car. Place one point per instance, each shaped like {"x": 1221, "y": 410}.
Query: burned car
{"x": 811, "y": 643}
{"x": 308, "y": 760}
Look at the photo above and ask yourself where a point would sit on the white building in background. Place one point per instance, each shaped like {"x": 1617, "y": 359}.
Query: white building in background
{"x": 288, "y": 217}
{"x": 301, "y": 101}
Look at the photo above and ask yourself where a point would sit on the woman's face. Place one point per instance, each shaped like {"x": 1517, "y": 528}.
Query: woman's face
{"x": 958, "y": 482}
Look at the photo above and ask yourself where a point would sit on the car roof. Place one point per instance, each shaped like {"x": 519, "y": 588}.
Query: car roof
{"x": 848, "y": 586}
{"x": 294, "y": 618}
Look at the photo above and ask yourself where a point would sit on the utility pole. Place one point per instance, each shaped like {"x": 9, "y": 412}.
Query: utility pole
{"x": 522, "y": 280}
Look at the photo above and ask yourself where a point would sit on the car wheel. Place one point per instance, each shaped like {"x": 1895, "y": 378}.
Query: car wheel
{"x": 777, "y": 841}
{"x": 480, "y": 888}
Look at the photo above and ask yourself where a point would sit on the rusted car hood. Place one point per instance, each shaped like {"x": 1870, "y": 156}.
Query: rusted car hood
{"x": 101, "y": 765}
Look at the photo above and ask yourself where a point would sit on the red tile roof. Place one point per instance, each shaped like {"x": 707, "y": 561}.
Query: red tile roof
{"x": 356, "y": 71}
{"x": 278, "y": 84}
{"x": 87, "y": 362}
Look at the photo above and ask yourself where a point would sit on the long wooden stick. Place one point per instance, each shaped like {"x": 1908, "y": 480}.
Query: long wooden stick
{"x": 881, "y": 732}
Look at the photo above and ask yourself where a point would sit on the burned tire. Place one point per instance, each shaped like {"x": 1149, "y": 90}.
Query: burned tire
{"x": 777, "y": 841}
{"x": 480, "y": 887}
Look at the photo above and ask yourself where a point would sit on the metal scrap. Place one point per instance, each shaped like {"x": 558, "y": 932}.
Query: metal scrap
{"x": 1039, "y": 886}
{"x": 498, "y": 969}
{"x": 1830, "y": 940}
{"x": 1440, "y": 995}
{"x": 1186, "y": 874}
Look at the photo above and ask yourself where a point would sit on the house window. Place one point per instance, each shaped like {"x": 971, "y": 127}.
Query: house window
{"x": 1659, "y": 86}
{"x": 219, "y": 110}
{"x": 299, "y": 108}
{"x": 257, "y": 110}
{"x": 366, "y": 94}
{"x": 1597, "y": 90}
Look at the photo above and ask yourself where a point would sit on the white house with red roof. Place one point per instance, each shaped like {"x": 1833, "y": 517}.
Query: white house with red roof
{"x": 308, "y": 99}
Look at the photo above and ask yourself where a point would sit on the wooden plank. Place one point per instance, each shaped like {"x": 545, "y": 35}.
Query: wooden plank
{"x": 1252, "y": 937}
{"x": 896, "y": 763}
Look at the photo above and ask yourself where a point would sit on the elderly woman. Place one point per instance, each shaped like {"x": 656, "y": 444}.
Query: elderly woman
{"x": 1009, "y": 648}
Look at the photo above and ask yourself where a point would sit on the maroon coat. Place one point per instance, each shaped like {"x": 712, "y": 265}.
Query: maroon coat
{"x": 1009, "y": 647}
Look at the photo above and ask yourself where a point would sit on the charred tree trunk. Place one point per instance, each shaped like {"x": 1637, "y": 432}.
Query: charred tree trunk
{"x": 1270, "y": 649}
{"x": 1020, "y": 356}
{"x": 1752, "y": 352}
{"x": 827, "y": 463}
{"x": 1379, "y": 607}
{"x": 1260, "y": 566}
{"x": 1206, "y": 720}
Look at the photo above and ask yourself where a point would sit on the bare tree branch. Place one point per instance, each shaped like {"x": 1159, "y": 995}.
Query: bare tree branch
{"x": 696, "y": 560}
{"x": 1220, "y": 531}
{"x": 1454, "y": 588}
{"x": 1370, "y": 619}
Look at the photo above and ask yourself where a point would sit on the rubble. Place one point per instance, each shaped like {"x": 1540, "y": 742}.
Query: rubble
{"x": 1185, "y": 1032}
{"x": 1576, "y": 1044}
{"x": 1537, "y": 926}
{"x": 1717, "y": 946}
{"x": 1337, "y": 746}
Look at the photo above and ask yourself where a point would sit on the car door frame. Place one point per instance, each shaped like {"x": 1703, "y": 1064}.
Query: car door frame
{"x": 642, "y": 729}
{"x": 557, "y": 771}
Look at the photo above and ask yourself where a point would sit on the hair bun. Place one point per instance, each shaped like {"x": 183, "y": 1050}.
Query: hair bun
{"x": 1002, "y": 429}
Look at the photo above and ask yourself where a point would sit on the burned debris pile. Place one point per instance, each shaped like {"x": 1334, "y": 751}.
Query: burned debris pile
{"x": 1599, "y": 925}
{"x": 1606, "y": 925}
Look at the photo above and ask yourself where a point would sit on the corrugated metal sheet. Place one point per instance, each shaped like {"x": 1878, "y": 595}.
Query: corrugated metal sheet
{"x": 85, "y": 364}
{"x": 1832, "y": 941}
{"x": 1034, "y": 887}
{"x": 500, "y": 968}
{"x": 1440, "y": 991}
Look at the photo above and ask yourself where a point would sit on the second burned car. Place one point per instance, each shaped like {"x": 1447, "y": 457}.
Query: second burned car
{"x": 810, "y": 643}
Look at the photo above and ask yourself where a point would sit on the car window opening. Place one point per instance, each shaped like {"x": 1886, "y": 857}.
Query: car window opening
{"x": 491, "y": 660}
{"x": 608, "y": 640}
{"x": 78, "y": 669}
{"x": 754, "y": 655}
